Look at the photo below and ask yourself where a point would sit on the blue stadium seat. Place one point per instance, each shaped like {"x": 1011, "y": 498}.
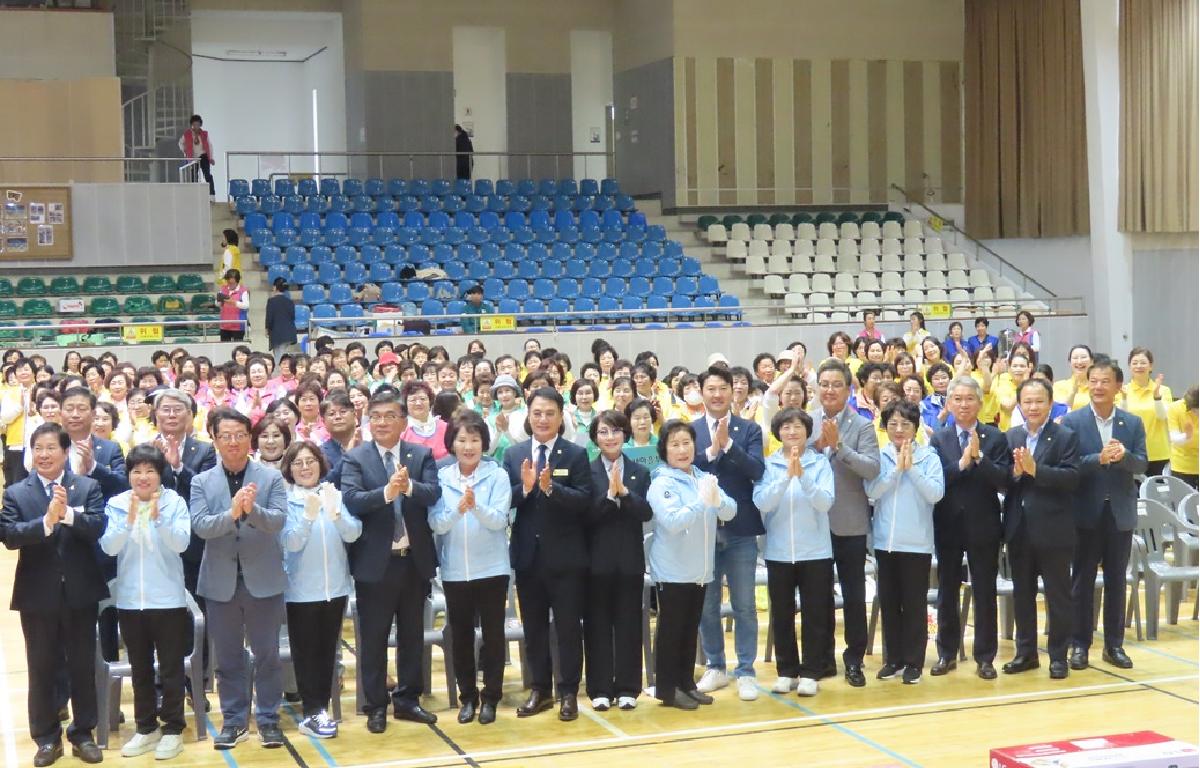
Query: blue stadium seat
{"x": 625, "y": 203}
{"x": 599, "y": 268}
{"x": 656, "y": 232}
{"x": 567, "y": 288}
{"x": 286, "y": 237}
{"x": 581, "y": 203}
{"x": 370, "y": 254}
{"x": 478, "y": 235}
{"x": 361, "y": 219}
{"x": 453, "y": 204}
{"x": 609, "y": 187}
{"x": 397, "y": 187}
{"x": 391, "y": 293}
{"x": 589, "y": 220}
{"x": 383, "y": 235}
{"x": 518, "y": 289}
{"x": 432, "y": 307}
{"x": 295, "y": 255}
{"x": 239, "y": 188}
{"x": 622, "y": 268}
{"x": 524, "y": 187}
{"x": 708, "y": 286}
{"x": 527, "y": 269}
{"x": 568, "y": 187}
{"x": 430, "y": 203}
{"x": 419, "y": 254}
{"x": 245, "y": 205}
{"x": 263, "y": 237}
{"x": 508, "y": 306}
{"x": 645, "y": 268}
{"x": 484, "y": 187}
{"x": 632, "y": 303}
{"x": 585, "y": 251}
{"x": 455, "y": 270}
{"x": 489, "y": 220}
{"x": 282, "y": 220}
{"x": 356, "y": 273}
{"x": 537, "y": 252}
{"x": 478, "y": 270}
{"x": 313, "y": 293}
{"x": 686, "y": 285}
{"x": 613, "y": 234}
{"x": 284, "y": 187}
{"x": 535, "y": 306}
{"x": 467, "y": 253}
{"x": 418, "y": 291}
{"x": 310, "y": 220}
{"x": 639, "y": 286}
{"x": 329, "y": 274}
{"x": 307, "y": 188}
{"x": 504, "y": 270}
{"x": 559, "y": 307}
{"x": 657, "y": 301}
{"x": 591, "y": 286}
{"x": 408, "y": 204}
{"x": 430, "y": 236}
{"x": 260, "y": 188}
{"x": 441, "y": 187}
{"x": 352, "y": 310}
{"x": 324, "y": 312}
{"x": 455, "y": 235}
{"x": 539, "y": 220}
{"x": 340, "y": 204}
{"x": 614, "y": 286}
{"x": 543, "y": 288}
{"x": 276, "y": 271}
{"x": 576, "y": 269}
{"x": 304, "y": 274}
{"x": 489, "y": 252}
{"x": 395, "y": 254}
{"x": 590, "y": 234}
{"x": 270, "y": 255}
{"x": 663, "y": 286}
{"x": 493, "y": 289}
{"x": 335, "y": 236}
{"x": 552, "y": 269}
{"x": 585, "y": 304}
{"x": 414, "y": 219}
{"x": 589, "y": 187}
{"x": 255, "y": 221}
{"x": 652, "y": 250}
{"x": 547, "y": 187}
{"x": 352, "y": 187}
{"x": 374, "y": 187}
{"x": 320, "y": 254}
{"x": 464, "y": 220}
{"x": 690, "y": 267}
{"x": 380, "y": 272}
{"x": 439, "y": 219}
{"x": 330, "y": 187}
{"x": 340, "y": 293}
{"x": 568, "y": 235}
{"x": 302, "y": 315}
{"x": 563, "y": 219}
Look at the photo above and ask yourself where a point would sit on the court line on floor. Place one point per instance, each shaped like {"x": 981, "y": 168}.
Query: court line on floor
{"x": 10, "y": 744}
{"x": 795, "y": 704}
{"x": 462, "y": 753}
{"x": 595, "y": 718}
{"x": 732, "y": 728}
{"x": 315, "y": 742}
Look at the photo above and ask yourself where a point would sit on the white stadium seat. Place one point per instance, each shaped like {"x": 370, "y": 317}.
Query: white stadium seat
{"x": 980, "y": 278}
{"x": 914, "y": 261}
{"x": 779, "y": 264}
{"x": 891, "y": 229}
{"x": 959, "y": 296}
{"x": 933, "y": 245}
{"x": 890, "y": 247}
{"x": 869, "y": 263}
{"x": 806, "y": 231}
{"x": 773, "y": 285}
{"x": 717, "y": 233}
{"x": 802, "y": 262}
{"x": 818, "y": 301}
{"x": 956, "y": 278}
{"x": 914, "y": 279}
{"x": 844, "y": 282}
{"x": 890, "y": 297}
{"x": 826, "y": 247}
{"x": 793, "y": 304}
{"x": 935, "y": 261}
{"x": 803, "y": 248}
{"x": 891, "y": 281}
{"x": 868, "y": 245}
{"x": 891, "y": 263}
{"x": 755, "y": 264}
{"x": 869, "y": 229}
{"x": 913, "y": 228}
{"x": 913, "y": 296}
{"x": 849, "y": 230}
{"x": 823, "y": 262}
{"x": 868, "y": 281}
{"x": 847, "y": 247}
{"x": 843, "y": 299}
{"x": 782, "y": 247}
{"x": 798, "y": 284}
{"x": 821, "y": 283}
{"x": 956, "y": 261}
{"x": 758, "y": 248}
{"x": 913, "y": 246}
{"x": 839, "y": 317}
{"x": 785, "y": 232}
{"x": 740, "y": 231}
{"x": 828, "y": 230}
{"x": 763, "y": 232}
{"x": 865, "y": 299}
{"x": 984, "y": 293}
{"x": 847, "y": 262}
{"x": 735, "y": 250}
{"x": 937, "y": 296}
{"x": 935, "y": 279}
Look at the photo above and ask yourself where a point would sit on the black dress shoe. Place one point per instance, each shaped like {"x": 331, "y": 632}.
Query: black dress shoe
{"x": 942, "y": 666}
{"x": 985, "y": 670}
{"x": 1079, "y": 658}
{"x": 683, "y": 701}
{"x": 1058, "y": 670}
{"x": 487, "y": 713}
{"x": 87, "y": 751}
{"x": 48, "y": 754}
{"x": 1118, "y": 658}
{"x": 696, "y": 696}
{"x": 537, "y": 702}
{"x": 855, "y": 676}
{"x": 377, "y": 721}
{"x": 569, "y": 709}
{"x": 416, "y": 713}
{"x": 1021, "y": 664}
{"x": 466, "y": 713}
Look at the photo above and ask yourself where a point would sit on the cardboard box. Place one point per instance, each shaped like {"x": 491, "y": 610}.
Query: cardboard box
{"x": 1143, "y": 749}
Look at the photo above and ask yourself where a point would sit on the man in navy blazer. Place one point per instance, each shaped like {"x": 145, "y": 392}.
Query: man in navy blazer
{"x": 1112, "y": 450}
{"x": 551, "y": 493}
{"x": 390, "y": 484}
{"x": 55, "y": 517}
{"x": 731, "y": 448}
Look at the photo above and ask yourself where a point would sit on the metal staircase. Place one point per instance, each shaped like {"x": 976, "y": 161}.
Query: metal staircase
{"x": 155, "y": 107}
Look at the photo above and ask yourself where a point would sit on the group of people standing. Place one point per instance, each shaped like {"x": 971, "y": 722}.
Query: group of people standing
{"x": 388, "y": 479}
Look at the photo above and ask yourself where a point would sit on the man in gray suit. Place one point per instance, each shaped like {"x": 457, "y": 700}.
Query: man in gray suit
{"x": 239, "y": 507}
{"x": 849, "y": 441}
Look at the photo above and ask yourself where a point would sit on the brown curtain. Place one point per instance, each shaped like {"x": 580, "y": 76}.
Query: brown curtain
{"x": 1159, "y": 116}
{"x": 1026, "y": 137}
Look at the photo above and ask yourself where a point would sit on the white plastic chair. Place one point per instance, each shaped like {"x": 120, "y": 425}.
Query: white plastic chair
{"x": 890, "y": 297}
{"x": 779, "y": 264}
{"x": 937, "y": 296}
{"x": 914, "y": 296}
{"x": 781, "y": 247}
{"x": 956, "y": 261}
{"x": 794, "y": 304}
{"x": 914, "y": 261}
{"x": 956, "y": 278}
{"x": 847, "y": 262}
{"x": 847, "y": 247}
{"x": 959, "y": 296}
{"x": 890, "y": 262}
{"x": 890, "y": 246}
{"x": 891, "y": 229}
{"x": 869, "y": 229}
{"x": 821, "y": 283}
{"x": 868, "y": 246}
{"x": 798, "y": 284}
{"x": 823, "y": 262}
{"x": 827, "y": 230}
{"x": 844, "y": 282}
{"x": 717, "y": 233}
{"x": 891, "y": 281}
{"x": 934, "y": 245}
{"x": 980, "y": 278}
{"x": 740, "y": 231}
{"x": 868, "y": 281}
{"x": 735, "y": 250}
{"x": 1157, "y": 524}
{"x": 843, "y": 299}
{"x": 773, "y": 285}
{"x": 849, "y": 230}
{"x": 756, "y": 265}
{"x": 763, "y": 232}
{"x": 826, "y": 247}
{"x": 806, "y": 231}
{"x": 935, "y": 261}
{"x": 865, "y": 299}
{"x": 984, "y": 293}
{"x": 913, "y": 228}
{"x": 935, "y": 279}
{"x": 803, "y": 247}
{"x": 914, "y": 279}
{"x": 785, "y": 232}
{"x": 869, "y": 262}
{"x": 913, "y": 246}
{"x": 802, "y": 262}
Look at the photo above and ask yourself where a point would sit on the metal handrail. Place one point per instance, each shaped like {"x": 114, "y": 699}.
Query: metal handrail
{"x": 1004, "y": 264}
{"x": 94, "y": 326}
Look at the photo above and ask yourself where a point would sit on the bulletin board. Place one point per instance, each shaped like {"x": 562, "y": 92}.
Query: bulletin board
{"x": 35, "y": 222}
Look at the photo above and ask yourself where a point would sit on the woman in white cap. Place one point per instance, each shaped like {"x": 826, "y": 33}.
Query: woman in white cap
{"x": 507, "y": 425}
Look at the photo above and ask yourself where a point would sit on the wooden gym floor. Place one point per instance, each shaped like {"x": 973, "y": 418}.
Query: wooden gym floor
{"x": 947, "y": 722}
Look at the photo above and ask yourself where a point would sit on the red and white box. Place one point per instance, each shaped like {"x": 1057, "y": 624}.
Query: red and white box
{"x": 1142, "y": 749}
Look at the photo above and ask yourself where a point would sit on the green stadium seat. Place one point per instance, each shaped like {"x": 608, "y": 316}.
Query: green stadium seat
{"x": 847, "y": 217}
{"x": 754, "y": 219}
{"x": 136, "y": 304}
{"x": 97, "y": 284}
{"x": 730, "y": 220}
{"x": 801, "y": 218}
{"x": 779, "y": 218}
{"x": 176, "y": 331}
{"x": 160, "y": 284}
{"x": 44, "y": 330}
{"x": 871, "y": 216}
{"x": 171, "y": 303}
{"x": 207, "y": 325}
{"x": 824, "y": 217}
{"x": 203, "y": 302}
{"x": 8, "y": 308}
{"x": 64, "y": 286}
{"x": 37, "y": 308}
{"x": 895, "y": 216}
{"x": 130, "y": 284}
{"x": 103, "y": 305}
{"x": 31, "y": 286}
{"x": 704, "y": 222}
{"x": 8, "y": 333}
{"x": 189, "y": 282}
{"x": 6, "y": 287}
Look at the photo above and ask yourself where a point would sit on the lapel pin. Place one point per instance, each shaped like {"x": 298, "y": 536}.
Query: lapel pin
{"x": 558, "y": 451}
{"x": 408, "y": 455}
{"x": 735, "y": 429}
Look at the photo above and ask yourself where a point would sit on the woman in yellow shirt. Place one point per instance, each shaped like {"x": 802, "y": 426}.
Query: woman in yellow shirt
{"x": 889, "y": 392}
{"x": 839, "y": 346}
{"x": 1006, "y": 387}
{"x": 1148, "y": 399}
{"x": 1074, "y": 390}
{"x": 916, "y": 333}
{"x": 1185, "y": 448}
{"x": 989, "y": 409}
{"x": 231, "y": 256}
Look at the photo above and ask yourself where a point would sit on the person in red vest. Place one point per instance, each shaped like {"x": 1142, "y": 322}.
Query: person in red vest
{"x": 235, "y": 301}
{"x": 194, "y": 144}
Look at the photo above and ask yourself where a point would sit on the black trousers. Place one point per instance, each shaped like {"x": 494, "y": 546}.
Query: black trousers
{"x": 233, "y": 335}
{"x": 314, "y": 630}
{"x": 206, "y": 169}
{"x": 165, "y": 633}
{"x": 814, "y": 580}
{"x": 14, "y": 466}
{"x": 675, "y": 638}
{"x": 850, "y": 557}
{"x": 540, "y": 592}
{"x": 1156, "y": 467}
{"x": 1192, "y": 480}
{"x": 613, "y": 635}
{"x": 1053, "y": 564}
{"x": 399, "y": 597}
{"x": 483, "y": 600}
{"x": 1103, "y": 546}
{"x": 47, "y": 636}
{"x": 903, "y": 584}
{"x": 983, "y": 562}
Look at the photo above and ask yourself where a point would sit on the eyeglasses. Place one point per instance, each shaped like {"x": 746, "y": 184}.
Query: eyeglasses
{"x": 831, "y": 384}
{"x": 170, "y": 411}
{"x": 233, "y": 437}
{"x": 376, "y": 418}
{"x": 305, "y": 463}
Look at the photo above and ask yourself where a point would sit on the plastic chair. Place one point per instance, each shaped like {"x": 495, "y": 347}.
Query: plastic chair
{"x": 1156, "y": 524}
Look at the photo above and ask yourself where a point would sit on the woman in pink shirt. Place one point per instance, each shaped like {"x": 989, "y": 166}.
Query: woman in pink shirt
{"x": 423, "y": 427}
{"x": 308, "y": 397}
{"x": 869, "y": 330}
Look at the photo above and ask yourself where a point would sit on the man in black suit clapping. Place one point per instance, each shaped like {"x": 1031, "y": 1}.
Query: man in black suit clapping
{"x": 55, "y": 517}
{"x": 551, "y": 491}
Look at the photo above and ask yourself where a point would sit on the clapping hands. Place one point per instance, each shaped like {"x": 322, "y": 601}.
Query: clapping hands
{"x": 710, "y": 492}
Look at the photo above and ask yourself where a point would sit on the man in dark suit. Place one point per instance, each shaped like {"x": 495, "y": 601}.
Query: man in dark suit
{"x": 1112, "y": 450}
{"x": 389, "y": 485}
{"x": 551, "y": 491}
{"x": 730, "y": 447}
{"x": 976, "y": 462}
{"x": 613, "y": 620}
{"x": 1039, "y": 528}
{"x": 55, "y": 517}
{"x": 337, "y": 411}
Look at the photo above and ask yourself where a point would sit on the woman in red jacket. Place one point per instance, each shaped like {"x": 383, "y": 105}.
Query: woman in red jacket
{"x": 195, "y": 145}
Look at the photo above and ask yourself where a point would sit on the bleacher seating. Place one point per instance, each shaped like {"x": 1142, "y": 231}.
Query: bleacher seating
{"x": 535, "y": 243}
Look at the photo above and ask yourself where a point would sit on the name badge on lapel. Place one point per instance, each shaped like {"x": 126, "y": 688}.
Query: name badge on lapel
{"x": 560, "y": 473}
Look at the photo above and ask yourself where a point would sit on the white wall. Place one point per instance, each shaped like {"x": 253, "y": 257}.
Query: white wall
{"x": 481, "y": 94}
{"x": 591, "y": 95}
{"x": 266, "y": 105}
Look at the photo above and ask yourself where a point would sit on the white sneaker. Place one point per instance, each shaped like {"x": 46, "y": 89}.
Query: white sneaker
{"x": 170, "y": 746}
{"x": 601, "y": 703}
{"x": 806, "y": 686}
{"x": 784, "y": 685}
{"x": 747, "y": 688}
{"x": 140, "y": 744}
{"x": 626, "y": 702}
{"x": 711, "y": 680}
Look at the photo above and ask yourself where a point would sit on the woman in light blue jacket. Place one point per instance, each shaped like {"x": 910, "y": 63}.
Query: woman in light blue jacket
{"x": 909, "y": 483}
{"x": 469, "y": 522}
{"x": 318, "y": 579}
{"x": 794, "y": 497}
{"x": 687, "y": 504}
{"x": 148, "y": 529}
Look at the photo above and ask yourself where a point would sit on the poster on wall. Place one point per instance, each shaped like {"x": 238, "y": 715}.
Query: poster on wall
{"x": 37, "y": 213}
{"x": 13, "y": 195}
{"x": 12, "y": 227}
{"x": 56, "y": 214}
{"x": 17, "y": 245}
{"x": 45, "y": 235}
{"x": 15, "y": 210}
